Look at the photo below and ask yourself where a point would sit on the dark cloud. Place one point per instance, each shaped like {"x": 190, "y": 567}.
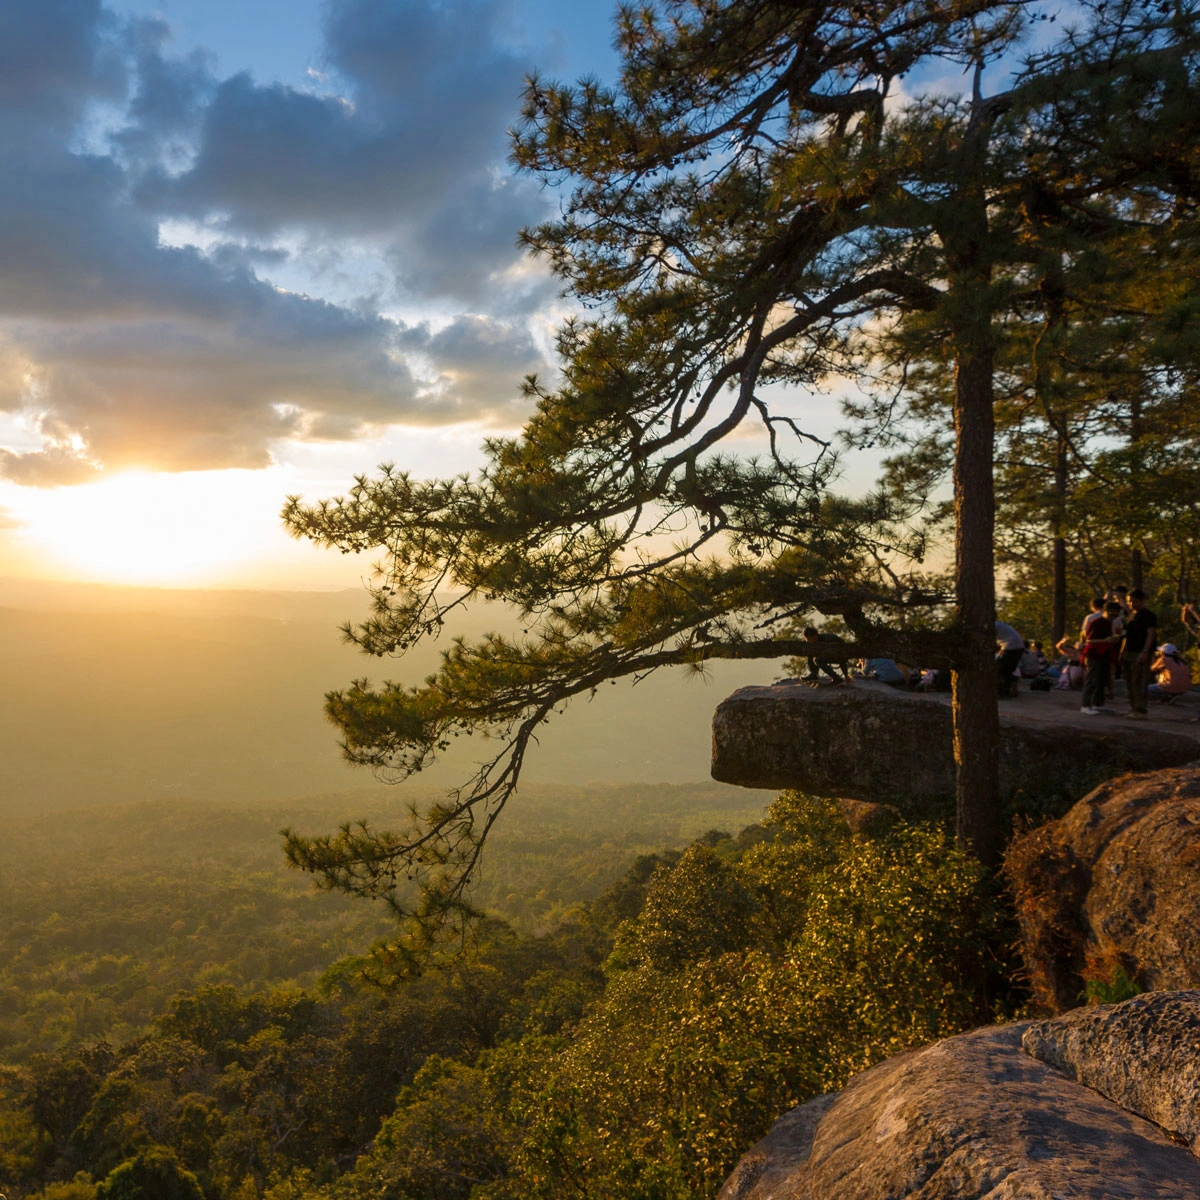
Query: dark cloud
{"x": 479, "y": 363}
{"x": 164, "y": 114}
{"x": 406, "y": 144}
{"x": 56, "y": 56}
{"x": 124, "y": 350}
{"x": 465, "y": 248}
{"x": 178, "y": 395}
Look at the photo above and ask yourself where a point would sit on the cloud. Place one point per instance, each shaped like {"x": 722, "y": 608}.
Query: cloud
{"x": 55, "y": 466}
{"x": 178, "y": 395}
{"x": 9, "y": 520}
{"x": 409, "y": 149}
{"x": 465, "y": 248}
{"x": 124, "y": 350}
{"x": 478, "y": 363}
{"x": 56, "y": 56}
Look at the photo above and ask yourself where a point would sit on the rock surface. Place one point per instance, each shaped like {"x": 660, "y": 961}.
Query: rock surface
{"x": 871, "y": 742}
{"x": 1143, "y": 1054}
{"x": 1113, "y": 883}
{"x": 771, "y": 1166}
{"x": 968, "y": 1118}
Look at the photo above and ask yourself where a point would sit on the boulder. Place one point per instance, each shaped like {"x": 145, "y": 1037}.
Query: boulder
{"x": 867, "y": 741}
{"x": 1143, "y": 1054}
{"x": 771, "y": 1166}
{"x": 1112, "y": 884}
{"x": 969, "y": 1117}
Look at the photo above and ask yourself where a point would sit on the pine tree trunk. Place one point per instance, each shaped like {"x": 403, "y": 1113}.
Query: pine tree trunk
{"x": 976, "y": 717}
{"x": 1058, "y": 614}
{"x": 1136, "y": 433}
{"x": 1058, "y": 609}
{"x": 967, "y": 238}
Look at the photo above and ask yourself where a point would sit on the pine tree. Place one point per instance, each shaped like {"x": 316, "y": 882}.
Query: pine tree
{"x": 753, "y": 211}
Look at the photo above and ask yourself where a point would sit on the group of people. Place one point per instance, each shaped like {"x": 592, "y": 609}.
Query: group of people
{"x": 1118, "y": 638}
{"x": 1120, "y": 634}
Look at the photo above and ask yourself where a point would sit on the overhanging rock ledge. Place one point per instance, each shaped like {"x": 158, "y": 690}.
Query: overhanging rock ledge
{"x": 867, "y": 741}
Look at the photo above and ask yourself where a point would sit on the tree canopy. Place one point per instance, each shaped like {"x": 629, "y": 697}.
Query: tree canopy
{"x": 764, "y": 206}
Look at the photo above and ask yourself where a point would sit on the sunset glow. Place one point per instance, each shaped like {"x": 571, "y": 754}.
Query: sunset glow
{"x": 297, "y": 269}
{"x": 160, "y": 529}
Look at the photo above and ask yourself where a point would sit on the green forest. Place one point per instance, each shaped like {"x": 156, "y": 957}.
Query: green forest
{"x": 663, "y": 971}
{"x": 114, "y": 910}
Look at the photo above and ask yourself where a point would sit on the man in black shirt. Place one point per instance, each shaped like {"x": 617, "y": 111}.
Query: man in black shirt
{"x": 1141, "y": 637}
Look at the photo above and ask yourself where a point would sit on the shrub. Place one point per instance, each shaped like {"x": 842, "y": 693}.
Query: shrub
{"x": 155, "y": 1174}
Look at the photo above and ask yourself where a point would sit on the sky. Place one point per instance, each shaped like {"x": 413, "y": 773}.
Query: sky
{"x": 250, "y": 248}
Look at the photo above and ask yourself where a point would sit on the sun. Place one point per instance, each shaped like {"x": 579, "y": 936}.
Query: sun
{"x": 141, "y": 527}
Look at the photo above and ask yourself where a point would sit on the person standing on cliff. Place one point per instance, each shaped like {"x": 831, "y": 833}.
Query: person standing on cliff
{"x": 1119, "y": 595}
{"x": 1097, "y": 611}
{"x": 1099, "y": 654}
{"x": 1141, "y": 638}
{"x": 1010, "y": 645}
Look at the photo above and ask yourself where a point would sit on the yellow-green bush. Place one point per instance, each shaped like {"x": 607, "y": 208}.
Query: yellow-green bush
{"x": 744, "y": 987}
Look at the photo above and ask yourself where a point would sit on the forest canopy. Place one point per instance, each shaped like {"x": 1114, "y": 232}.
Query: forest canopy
{"x": 633, "y": 1049}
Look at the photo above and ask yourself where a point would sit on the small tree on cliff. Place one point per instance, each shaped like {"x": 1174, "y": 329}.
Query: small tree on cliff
{"x": 749, "y": 215}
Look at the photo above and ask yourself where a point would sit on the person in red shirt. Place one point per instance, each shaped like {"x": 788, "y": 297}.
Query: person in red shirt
{"x": 1097, "y": 612}
{"x": 1099, "y": 655}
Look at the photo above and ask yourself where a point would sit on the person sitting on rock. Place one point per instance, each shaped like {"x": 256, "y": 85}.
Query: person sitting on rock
{"x": 1032, "y": 663}
{"x": 817, "y": 664}
{"x": 1171, "y": 675}
{"x": 925, "y": 680}
{"x": 1068, "y": 653}
{"x": 1069, "y": 665}
{"x": 1010, "y": 646}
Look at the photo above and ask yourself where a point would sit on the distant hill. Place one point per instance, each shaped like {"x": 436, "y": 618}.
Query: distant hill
{"x": 128, "y": 694}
